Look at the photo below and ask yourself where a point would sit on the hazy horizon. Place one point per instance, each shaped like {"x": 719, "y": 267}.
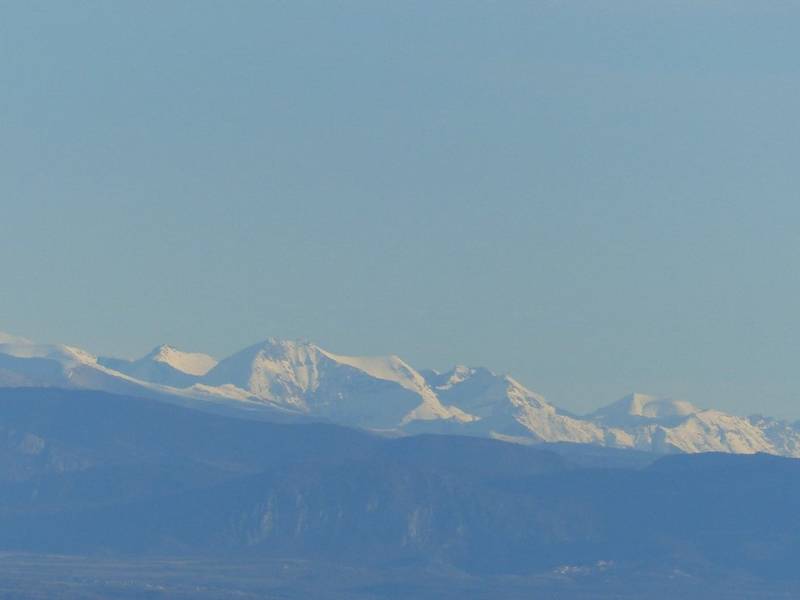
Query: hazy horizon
{"x": 595, "y": 200}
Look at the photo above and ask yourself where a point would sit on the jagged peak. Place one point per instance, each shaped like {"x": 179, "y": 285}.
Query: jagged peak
{"x": 290, "y": 373}
{"x": 281, "y": 347}
{"x": 301, "y": 350}
{"x": 456, "y": 375}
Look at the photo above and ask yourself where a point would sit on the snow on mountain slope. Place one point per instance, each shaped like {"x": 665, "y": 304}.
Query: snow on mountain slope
{"x": 61, "y": 365}
{"x": 782, "y": 436}
{"x": 276, "y": 371}
{"x": 715, "y": 431}
{"x": 369, "y": 392}
{"x": 164, "y": 365}
{"x": 26, "y": 364}
{"x": 507, "y": 410}
{"x": 636, "y": 409}
{"x": 192, "y": 363}
{"x": 30, "y": 364}
{"x": 22, "y": 348}
{"x": 666, "y": 425}
{"x": 706, "y": 431}
{"x": 280, "y": 378}
{"x": 389, "y": 368}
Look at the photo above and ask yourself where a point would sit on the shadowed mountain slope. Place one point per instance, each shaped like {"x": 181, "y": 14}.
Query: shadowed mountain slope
{"x": 95, "y": 473}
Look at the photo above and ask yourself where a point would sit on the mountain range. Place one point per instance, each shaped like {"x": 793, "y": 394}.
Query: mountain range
{"x": 299, "y": 381}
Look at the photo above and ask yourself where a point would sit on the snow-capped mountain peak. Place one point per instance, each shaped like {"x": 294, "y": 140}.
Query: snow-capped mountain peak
{"x": 192, "y": 363}
{"x": 302, "y": 376}
{"x": 274, "y": 370}
{"x": 300, "y": 379}
{"x": 22, "y": 348}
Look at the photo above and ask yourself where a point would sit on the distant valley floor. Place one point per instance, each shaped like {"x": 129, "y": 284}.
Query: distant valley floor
{"x": 72, "y": 578}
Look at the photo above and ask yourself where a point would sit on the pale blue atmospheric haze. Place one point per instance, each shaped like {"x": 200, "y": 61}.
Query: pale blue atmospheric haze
{"x": 597, "y": 197}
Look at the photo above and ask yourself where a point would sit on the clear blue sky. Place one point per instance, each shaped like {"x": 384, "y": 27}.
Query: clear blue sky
{"x": 597, "y": 197}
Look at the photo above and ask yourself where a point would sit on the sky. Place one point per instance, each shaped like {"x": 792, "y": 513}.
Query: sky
{"x": 594, "y": 197}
